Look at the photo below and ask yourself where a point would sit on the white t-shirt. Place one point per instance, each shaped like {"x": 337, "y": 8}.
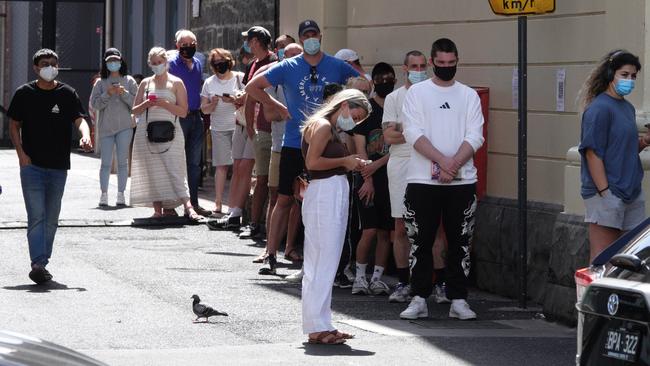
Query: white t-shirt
{"x": 223, "y": 116}
{"x": 446, "y": 116}
{"x": 393, "y": 113}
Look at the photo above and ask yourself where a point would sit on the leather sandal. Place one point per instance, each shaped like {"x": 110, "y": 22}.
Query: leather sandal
{"x": 343, "y": 335}
{"x": 326, "y": 338}
{"x": 293, "y": 256}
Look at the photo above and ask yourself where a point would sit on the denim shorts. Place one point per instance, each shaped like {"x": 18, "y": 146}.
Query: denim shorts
{"x": 611, "y": 211}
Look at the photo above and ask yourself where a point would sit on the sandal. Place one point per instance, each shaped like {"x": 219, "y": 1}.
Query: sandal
{"x": 342, "y": 335}
{"x": 261, "y": 258}
{"x": 169, "y": 212}
{"x": 193, "y": 216}
{"x": 326, "y": 338}
{"x": 293, "y": 256}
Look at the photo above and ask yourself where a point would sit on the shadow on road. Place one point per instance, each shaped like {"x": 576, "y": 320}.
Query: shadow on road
{"x": 46, "y": 287}
{"x": 333, "y": 350}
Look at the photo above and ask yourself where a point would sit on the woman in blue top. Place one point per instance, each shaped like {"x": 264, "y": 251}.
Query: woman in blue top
{"x": 611, "y": 171}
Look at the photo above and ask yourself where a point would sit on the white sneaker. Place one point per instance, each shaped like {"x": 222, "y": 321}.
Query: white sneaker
{"x": 401, "y": 293}
{"x": 360, "y": 286}
{"x": 103, "y": 199}
{"x": 295, "y": 277}
{"x": 440, "y": 294}
{"x": 379, "y": 287}
{"x": 349, "y": 274}
{"x": 460, "y": 309}
{"x": 416, "y": 309}
{"x": 121, "y": 201}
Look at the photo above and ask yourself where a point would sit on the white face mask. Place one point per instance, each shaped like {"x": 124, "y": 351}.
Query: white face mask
{"x": 158, "y": 69}
{"x": 48, "y": 73}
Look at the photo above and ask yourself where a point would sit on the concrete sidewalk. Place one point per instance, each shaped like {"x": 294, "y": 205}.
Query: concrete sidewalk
{"x": 80, "y": 200}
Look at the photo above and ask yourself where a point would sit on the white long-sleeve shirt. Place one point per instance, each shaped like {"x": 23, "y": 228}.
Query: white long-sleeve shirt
{"x": 446, "y": 116}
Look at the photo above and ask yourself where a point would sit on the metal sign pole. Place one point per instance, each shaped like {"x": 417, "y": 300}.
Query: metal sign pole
{"x": 523, "y": 154}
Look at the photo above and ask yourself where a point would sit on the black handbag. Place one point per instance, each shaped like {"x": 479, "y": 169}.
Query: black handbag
{"x": 159, "y": 131}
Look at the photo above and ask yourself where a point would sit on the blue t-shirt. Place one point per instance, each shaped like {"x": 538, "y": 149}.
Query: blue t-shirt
{"x": 303, "y": 89}
{"x": 191, "y": 78}
{"x": 609, "y": 129}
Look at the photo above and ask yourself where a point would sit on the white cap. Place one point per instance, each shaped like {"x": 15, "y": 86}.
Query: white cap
{"x": 347, "y": 54}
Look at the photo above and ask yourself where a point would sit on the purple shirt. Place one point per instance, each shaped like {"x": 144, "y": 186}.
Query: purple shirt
{"x": 191, "y": 78}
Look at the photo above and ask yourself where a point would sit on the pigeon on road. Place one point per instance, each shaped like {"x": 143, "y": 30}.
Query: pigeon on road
{"x": 202, "y": 310}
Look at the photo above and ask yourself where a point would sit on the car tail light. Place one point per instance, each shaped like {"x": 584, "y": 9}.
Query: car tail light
{"x": 584, "y": 277}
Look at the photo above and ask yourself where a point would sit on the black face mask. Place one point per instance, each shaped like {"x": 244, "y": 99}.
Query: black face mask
{"x": 187, "y": 51}
{"x": 221, "y": 67}
{"x": 384, "y": 89}
{"x": 445, "y": 73}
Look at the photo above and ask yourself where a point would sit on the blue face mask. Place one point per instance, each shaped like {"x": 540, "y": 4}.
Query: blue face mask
{"x": 624, "y": 87}
{"x": 311, "y": 46}
{"x": 417, "y": 76}
{"x": 113, "y": 66}
{"x": 281, "y": 54}
{"x": 247, "y": 48}
{"x": 345, "y": 123}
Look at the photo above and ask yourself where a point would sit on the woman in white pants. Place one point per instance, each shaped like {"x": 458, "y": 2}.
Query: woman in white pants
{"x": 325, "y": 208}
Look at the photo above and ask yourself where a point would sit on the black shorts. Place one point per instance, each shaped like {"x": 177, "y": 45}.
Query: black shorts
{"x": 376, "y": 215}
{"x": 291, "y": 166}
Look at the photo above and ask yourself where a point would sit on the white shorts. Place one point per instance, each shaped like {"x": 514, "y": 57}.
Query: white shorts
{"x": 397, "y": 169}
{"x": 611, "y": 211}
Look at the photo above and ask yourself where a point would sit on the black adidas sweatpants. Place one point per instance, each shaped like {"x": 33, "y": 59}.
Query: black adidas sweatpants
{"x": 425, "y": 204}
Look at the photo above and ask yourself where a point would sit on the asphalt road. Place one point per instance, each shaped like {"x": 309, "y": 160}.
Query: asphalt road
{"x": 122, "y": 294}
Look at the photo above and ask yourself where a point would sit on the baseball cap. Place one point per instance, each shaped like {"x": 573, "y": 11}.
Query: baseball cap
{"x": 306, "y": 26}
{"x": 113, "y": 53}
{"x": 258, "y": 32}
{"x": 347, "y": 54}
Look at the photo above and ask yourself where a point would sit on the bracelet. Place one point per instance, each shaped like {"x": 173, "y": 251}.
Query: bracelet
{"x": 600, "y": 193}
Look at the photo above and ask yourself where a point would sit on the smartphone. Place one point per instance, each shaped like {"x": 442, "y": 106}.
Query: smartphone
{"x": 647, "y": 125}
{"x": 115, "y": 83}
{"x": 152, "y": 97}
{"x": 226, "y": 95}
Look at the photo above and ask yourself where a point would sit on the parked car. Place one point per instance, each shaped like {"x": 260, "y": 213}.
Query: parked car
{"x": 613, "y": 297}
{"x": 21, "y": 350}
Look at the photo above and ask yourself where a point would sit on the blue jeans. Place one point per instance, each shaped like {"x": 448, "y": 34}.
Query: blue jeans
{"x": 122, "y": 141}
{"x": 42, "y": 191}
{"x": 192, "y": 126}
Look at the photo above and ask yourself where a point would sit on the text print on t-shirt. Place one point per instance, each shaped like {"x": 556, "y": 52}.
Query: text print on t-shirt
{"x": 312, "y": 90}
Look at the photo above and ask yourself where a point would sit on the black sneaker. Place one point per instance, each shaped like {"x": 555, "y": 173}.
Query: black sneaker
{"x": 40, "y": 275}
{"x": 251, "y": 231}
{"x": 225, "y": 223}
{"x": 342, "y": 281}
{"x": 271, "y": 269}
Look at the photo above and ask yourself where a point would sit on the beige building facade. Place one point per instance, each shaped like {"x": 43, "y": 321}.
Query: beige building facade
{"x": 569, "y": 41}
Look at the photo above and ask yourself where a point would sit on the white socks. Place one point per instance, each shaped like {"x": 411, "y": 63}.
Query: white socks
{"x": 361, "y": 270}
{"x": 377, "y": 273}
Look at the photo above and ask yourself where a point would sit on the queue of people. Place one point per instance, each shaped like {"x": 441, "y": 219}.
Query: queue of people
{"x": 341, "y": 153}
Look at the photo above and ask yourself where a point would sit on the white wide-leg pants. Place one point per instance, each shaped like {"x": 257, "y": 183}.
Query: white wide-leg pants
{"x": 325, "y": 216}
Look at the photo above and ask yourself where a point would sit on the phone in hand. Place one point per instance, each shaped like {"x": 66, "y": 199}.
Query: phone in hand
{"x": 115, "y": 83}
{"x": 152, "y": 97}
{"x": 226, "y": 95}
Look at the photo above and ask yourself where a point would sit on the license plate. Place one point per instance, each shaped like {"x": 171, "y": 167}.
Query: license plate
{"x": 621, "y": 344}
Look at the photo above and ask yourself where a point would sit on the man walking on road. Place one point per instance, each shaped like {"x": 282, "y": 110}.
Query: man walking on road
{"x": 303, "y": 79}
{"x": 41, "y": 115}
{"x": 444, "y": 123}
{"x": 188, "y": 68}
